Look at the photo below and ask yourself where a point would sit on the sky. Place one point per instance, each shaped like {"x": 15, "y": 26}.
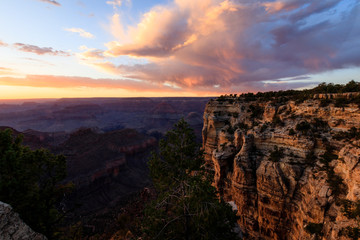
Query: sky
{"x": 155, "y": 48}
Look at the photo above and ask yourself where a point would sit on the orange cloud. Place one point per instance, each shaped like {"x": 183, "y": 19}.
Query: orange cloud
{"x": 163, "y": 31}
{"x": 72, "y": 82}
{"x": 90, "y": 53}
{"x": 2, "y": 44}
{"x": 6, "y": 71}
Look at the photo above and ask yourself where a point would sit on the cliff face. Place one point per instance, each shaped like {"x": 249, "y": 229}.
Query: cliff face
{"x": 292, "y": 169}
{"x": 13, "y": 228}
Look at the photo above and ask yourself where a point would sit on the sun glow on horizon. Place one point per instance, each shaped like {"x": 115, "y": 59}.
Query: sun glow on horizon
{"x": 24, "y": 92}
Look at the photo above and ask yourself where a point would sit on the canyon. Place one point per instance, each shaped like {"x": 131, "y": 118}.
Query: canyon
{"x": 290, "y": 167}
{"x": 146, "y": 115}
{"x": 106, "y": 143}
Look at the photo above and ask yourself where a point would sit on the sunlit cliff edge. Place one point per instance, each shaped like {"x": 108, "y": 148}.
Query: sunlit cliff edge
{"x": 291, "y": 165}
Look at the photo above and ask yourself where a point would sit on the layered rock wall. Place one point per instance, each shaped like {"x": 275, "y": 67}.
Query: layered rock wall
{"x": 285, "y": 166}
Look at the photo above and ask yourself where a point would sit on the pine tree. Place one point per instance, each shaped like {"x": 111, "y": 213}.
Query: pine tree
{"x": 187, "y": 206}
{"x": 29, "y": 182}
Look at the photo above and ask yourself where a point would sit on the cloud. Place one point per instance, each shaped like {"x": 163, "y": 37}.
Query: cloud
{"x": 53, "y": 2}
{"x": 50, "y": 81}
{"x": 81, "y": 32}
{"x": 2, "y": 44}
{"x": 6, "y": 71}
{"x": 117, "y": 3}
{"x": 90, "y": 53}
{"x": 40, "y": 50}
{"x": 236, "y": 44}
{"x": 273, "y": 7}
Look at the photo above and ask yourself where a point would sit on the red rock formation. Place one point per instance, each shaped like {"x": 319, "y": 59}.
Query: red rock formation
{"x": 277, "y": 180}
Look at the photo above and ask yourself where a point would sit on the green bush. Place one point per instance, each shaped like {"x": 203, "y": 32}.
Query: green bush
{"x": 231, "y": 130}
{"x": 276, "y": 121}
{"x": 292, "y": 132}
{"x": 276, "y": 155}
{"x": 350, "y": 232}
{"x": 336, "y": 183}
{"x": 325, "y": 102}
{"x": 352, "y": 133}
{"x": 341, "y": 102}
{"x": 303, "y": 126}
{"x": 256, "y": 111}
{"x": 320, "y": 124}
{"x": 241, "y": 125}
{"x": 30, "y": 181}
{"x": 310, "y": 158}
{"x": 328, "y": 156}
{"x": 314, "y": 228}
{"x": 350, "y": 209}
{"x": 263, "y": 127}
{"x": 187, "y": 205}
{"x": 299, "y": 96}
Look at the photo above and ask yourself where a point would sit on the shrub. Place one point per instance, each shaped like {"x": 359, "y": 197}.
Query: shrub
{"x": 31, "y": 182}
{"x": 292, "y": 132}
{"x": 276, "y": 155}
{"x": 336, "y": 183}
{"x": 256, "y": 111}
{"x": 241, "y": 125}
{"x": 231, "y": 130}
{"x": 314, "y": 228}
{"x": 310, "y": 158}
{"x": 303, "y": 126}
{"x": 350, "y": 232}
{"x": 187, "y": 205}
{"x": 320, "y": 124}
{"x": 350, "y": 209}
{"x": 325, "y": 102}
{"x": 350, "y": 134}
{"x": 263, "y": 127}
{"x": 276, "y": 121}
{"x": 341, "y": 102}
{"x": 328, "y": 156}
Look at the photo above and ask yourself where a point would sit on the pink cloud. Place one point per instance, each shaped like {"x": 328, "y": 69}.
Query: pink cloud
{"x": 241, "y": 44}
{"x": 273, "y": 7}
{"x": 40, "y": 50}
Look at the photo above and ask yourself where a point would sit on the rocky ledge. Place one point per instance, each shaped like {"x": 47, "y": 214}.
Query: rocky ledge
{"x": 291, "y": 167}
{"x": 13, "y": 228}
